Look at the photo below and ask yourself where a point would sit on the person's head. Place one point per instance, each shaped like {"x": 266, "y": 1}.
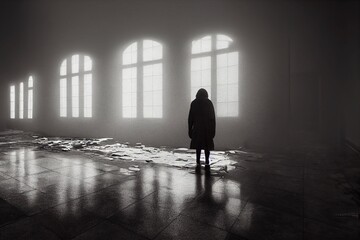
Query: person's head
{"x": 202, "y": 94}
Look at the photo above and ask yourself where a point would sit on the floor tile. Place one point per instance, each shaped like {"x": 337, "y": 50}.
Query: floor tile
{"x": 8, "y": 213}
{"x": 109, "y": 231}
{"x": 68, "y": 220}
{"x": 144, "y": 219}
{"x": 186, "y": 228}
{"x": 259, "y": 222}
{"x": 27, "y": 228}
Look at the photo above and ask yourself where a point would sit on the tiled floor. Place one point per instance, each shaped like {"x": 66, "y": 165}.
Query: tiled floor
{"x": 46, "y": 195}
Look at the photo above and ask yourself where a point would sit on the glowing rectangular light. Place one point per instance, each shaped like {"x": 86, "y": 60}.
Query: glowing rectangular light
{"x": 87, "y": 63}
{"x": 30, "y": 101}
{"x": 75, "y": 63}
{"x": 88, "y": 95}
{"x": 63, "y": 97}
{"x": 63, "y": 68}
{"x": 200, "y": 75}
{"x": 21, "y": 101}
{"x": 75, "y": 96}
{"x": 152, "y": 91}
{"x": 227, "y": 85}
{"x": 12, "y": 102}
{"x": 129, "y": 90}
{"x": 130, "y": 54}
{"x": 202, "y": 45}
{"x": 30, "y": 104}
{"x": 152, "y": 50}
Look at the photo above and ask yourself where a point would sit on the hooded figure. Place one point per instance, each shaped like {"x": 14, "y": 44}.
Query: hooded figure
{"x": 202, "y": 124}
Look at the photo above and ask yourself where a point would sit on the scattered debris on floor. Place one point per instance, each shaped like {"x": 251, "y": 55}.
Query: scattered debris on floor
{"x": 107, "y": 148}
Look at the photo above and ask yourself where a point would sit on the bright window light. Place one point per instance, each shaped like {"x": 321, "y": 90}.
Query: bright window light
{"x": 63, "y": 97}
{"x": 152, "y": 91}
{"x": 130, "y": 54}
{"x": 21, "y": 101}
{"x": 30, "y": 98}
{"x": 152, "y": 50}
{"x": 88, "y": 95}
{"x": 202, "y": 45}
{"x": 227, "y": 85}
{"x": 225, "y": 76}
{"x": 81, "y": 79}
{"x": 63, "y": 68}
{"x": 87, "y": 63}
{"x": 30, "y": 102}
{"x": 148, "y": 71}
{"x": 12, "y": 102}
{"x": 30, "y": 82}
{"x": 223, "y": 42}
{"x": 129, "y": 90}
{"x": 200, "y": 75}
{"x": 75, "y": 96}
{"x": 75, "y": 64}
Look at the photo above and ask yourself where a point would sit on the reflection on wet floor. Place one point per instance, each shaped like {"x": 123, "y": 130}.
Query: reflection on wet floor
{"x": 56, "y": 195}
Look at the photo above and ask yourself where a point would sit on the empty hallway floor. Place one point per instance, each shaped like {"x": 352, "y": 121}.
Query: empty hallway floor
{"x": 70, "y": 195}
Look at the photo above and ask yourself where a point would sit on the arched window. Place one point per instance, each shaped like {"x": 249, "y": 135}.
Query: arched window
{"x": 21, "y": 100}
{"x": 215, "y": 67}
{"x": 76, "y": 82}
{"x": 142, "y": 76}
{"x": 30, "y": 97}
{"x": 12, "y": 102}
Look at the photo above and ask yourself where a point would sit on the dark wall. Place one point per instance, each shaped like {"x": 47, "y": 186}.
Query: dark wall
{"x": 288, "y": 72}
{"x": 352, "y": 74}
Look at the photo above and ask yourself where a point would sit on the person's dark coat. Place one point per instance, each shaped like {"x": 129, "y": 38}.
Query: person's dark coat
{"x": 202, "y": 122}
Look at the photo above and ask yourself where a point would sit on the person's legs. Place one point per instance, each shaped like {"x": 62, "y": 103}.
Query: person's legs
{"x": 207, "y": 162}
{"x": 207, "y": 156}
{"x": 198, "y": 153}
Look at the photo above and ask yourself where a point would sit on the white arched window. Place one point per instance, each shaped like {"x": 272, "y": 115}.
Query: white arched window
{"x": 12, "y": 102}
{"x": 76, "y": 86}
{"x": 142, "y": 76}
{"x": 30, "y": 97}
{"x": 21, "y": 100}
{"x": 215, "y": 67}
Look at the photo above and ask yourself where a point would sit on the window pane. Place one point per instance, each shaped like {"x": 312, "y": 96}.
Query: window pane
{"x": 221, "y": 109}
{"x": 30, "y": 104}
{"x": 130, "y": 54}
{"x": 63, "y": 97}
{"x": 152, "y": 50}
{"x": 88, "y": 95}
{"x": 152, "y": 91}
{"x": 200, "y": 75}
{"x": 12, "y": 102}
{"x": 75, "y": 96}
{"x": 87, "y": 63}
{"x": 227, "y": 85}
{"x": 202, "y": 45}
{"x": 129, "y": 90}
{"x": 21, "y": 101}
{"x": 75, "y": 63}
{"x": 223, "y": 42}
{"x": 30, "y": 82}
{"x": 63, "y": 68}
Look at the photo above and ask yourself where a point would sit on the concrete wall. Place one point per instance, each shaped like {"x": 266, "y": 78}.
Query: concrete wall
{"x": 288, "y": 76}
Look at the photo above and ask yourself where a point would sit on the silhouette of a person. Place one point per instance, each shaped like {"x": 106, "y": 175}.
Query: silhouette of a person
{"x": 202, "y": 126}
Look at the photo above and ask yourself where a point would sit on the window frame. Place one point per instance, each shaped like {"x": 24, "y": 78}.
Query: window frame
{"x": 213, "y": 54}
{"x": 140, "y": 64}
{"x": 67, "y": 96}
